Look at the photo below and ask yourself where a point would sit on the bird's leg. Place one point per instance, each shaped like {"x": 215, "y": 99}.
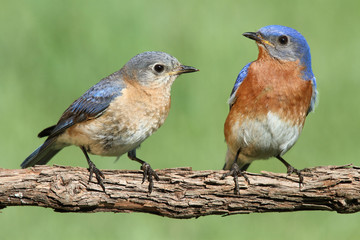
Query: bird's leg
{"x": 93, "y": 169}
{"x": 236, "y": 171}
{"x": 291, "y": 169}
{"x": 148, "y": 172}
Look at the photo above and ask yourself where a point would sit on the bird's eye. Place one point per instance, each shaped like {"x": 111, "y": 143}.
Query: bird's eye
{"x": 159, "y": 68}
{"x": 283, "y": 40}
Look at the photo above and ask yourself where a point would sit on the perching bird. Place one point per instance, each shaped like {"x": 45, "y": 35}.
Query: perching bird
{"x": 270, "y": 100}
{"x": 117, "y": 114}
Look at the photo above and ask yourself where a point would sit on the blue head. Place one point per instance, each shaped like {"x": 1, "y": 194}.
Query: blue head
{"x": 285, "y": 44}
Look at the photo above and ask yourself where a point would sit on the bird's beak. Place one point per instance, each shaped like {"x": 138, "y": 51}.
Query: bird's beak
{"x": 252, "y": 35}
{"x": 257, "y": 37}
{"x": 184, "y": 69}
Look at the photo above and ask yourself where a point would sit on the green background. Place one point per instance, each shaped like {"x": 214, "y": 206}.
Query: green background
{"x": 53, "y": 51}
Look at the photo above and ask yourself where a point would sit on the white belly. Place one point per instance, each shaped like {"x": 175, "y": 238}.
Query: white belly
{"x": 261, "y": 139}
{"x": 117, "y": 138}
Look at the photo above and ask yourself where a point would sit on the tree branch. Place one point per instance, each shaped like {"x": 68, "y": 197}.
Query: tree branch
{"x": 181, "y": 192}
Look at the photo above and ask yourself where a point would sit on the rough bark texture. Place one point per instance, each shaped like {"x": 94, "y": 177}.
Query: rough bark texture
{"x": 181, "y": 192}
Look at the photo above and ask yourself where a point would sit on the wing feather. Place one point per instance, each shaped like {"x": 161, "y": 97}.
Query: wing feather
{"x": 92, "y": 104}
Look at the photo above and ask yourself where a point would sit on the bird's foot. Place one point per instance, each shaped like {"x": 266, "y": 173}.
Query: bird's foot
{"x": 149, "y": 173}
{"x": 98, "y": 174}
{"x": 291, "y": 170}
{"x": 235, "y": 171}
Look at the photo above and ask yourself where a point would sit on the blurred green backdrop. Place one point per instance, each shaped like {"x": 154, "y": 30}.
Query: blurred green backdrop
{"x": 53, "y": 51}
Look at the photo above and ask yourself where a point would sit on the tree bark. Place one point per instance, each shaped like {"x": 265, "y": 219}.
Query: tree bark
{"x": 181, "y": 192}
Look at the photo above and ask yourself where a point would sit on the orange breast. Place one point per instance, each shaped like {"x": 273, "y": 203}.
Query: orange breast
{"x": 270, "y": 86}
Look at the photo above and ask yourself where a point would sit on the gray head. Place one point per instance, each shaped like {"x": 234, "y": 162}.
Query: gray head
{"x": 155, "y": 68}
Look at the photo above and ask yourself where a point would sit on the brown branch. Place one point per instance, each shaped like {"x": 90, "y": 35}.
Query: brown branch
{"x": 181, "y": 192}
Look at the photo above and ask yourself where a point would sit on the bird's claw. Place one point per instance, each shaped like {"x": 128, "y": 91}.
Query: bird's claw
{"x": 291, "y": 170}
{"x": 149, "y": 173}
{"x": 235, "y": 171}
{"x": 98, "y": 175}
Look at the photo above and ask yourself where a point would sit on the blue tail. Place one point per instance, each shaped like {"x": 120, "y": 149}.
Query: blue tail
{"x": 42, "y": 154}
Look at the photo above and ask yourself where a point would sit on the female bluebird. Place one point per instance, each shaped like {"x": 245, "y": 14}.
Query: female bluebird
{"x": 117, "y": 114}
{"x": 270, "y": 100}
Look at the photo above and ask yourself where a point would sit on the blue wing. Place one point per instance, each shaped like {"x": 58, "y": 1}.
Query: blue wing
{"x": 91, "y": 104}
{"x": 239, "y": 80}
{"x": 313, "y": 96}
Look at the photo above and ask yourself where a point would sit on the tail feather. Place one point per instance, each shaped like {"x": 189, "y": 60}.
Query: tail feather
{"x": 46, "y": 132}
{"x": 230, "y": 159}
{"x": 42, "y": 154}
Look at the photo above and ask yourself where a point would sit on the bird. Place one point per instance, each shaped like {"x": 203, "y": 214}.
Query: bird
{"x": 270, "y": 101}
{"x": 116, "y": 115}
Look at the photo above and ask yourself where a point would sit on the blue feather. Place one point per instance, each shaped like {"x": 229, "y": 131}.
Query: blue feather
{"x": 91, "y": 104}
{"x": 240, "y": 78}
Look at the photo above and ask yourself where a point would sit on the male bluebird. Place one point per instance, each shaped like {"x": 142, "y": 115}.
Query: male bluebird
{"x": 270, "y": 100}
{"x": 117, "y": 114}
